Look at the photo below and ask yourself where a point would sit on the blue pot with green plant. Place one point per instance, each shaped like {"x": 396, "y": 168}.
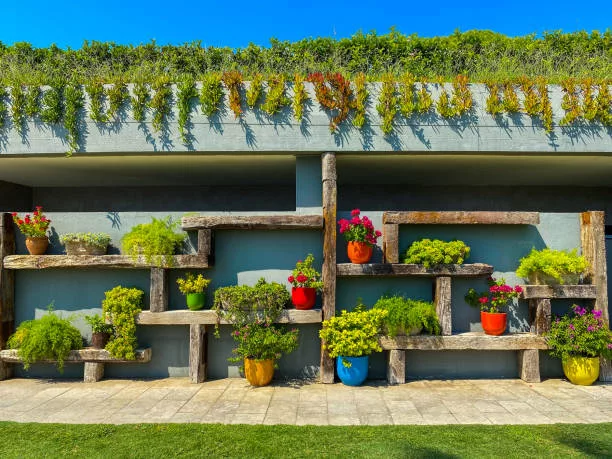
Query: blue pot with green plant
{"x": 355, "y": 373}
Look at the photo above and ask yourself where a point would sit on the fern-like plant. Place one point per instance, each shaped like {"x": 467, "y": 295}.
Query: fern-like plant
{"x": 140, "y": 97}
{"x": 156, "y": 241}
{"x": 97, "y": 95}
{"x": 211, "y": 93}
{"x": 233, "y": 82}
{"x": 387, "y": 103}
{"x": 117, "y": 95}
{"x": 18, "y": 102}
{"x": 74, "y": 102}
{"x": 361, "y": 100}
{"x": 276, "y": 98}
{"x": 300, "y": 96}
{"x": 161, "y": 101}
{"x": 51, "y": 101}
{"x": 255, "y": 90}
{"x": 406, "y": 316}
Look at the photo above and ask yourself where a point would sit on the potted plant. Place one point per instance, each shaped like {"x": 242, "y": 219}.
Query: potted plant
{"x": 48, "y": 338}
{"x": 85, "y": 243}
{"x": 491, "y": 303}
{"x": 406, "y": 316}
{"x": 100, "y": 331}
{"x": 121, "y": 306}
{"x": 552, "y": 267}
{"x": 428, "y": 252}
{"x": 260, "y": 344}
{"x": 361, "y": 236}
{"x": 351, "y": 338}
{"x": 579, "y": 340}
{"x": 34, "y": 228}
{"x": 193, "y": 288}
{"x": 156, "y": 241}
{"x": 305, "y": 281}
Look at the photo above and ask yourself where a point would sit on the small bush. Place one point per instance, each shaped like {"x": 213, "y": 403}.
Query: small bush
{"x": 429, "y": 253}
{"x": 156, "y": 241}
{"x": 554, "y": 263}
{"x": 121, "y": 305}
{"x": 405, "y": 314}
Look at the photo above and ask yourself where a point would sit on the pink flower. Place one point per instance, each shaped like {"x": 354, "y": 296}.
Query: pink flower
{"x": 291, "y": 279}
{"x": 597, "y": 314}
{"x": 355, "y": 221}
{"x": 355, "y": 212}
{"x": 301, "y": 278}
{"x": 518, "y": 289}
{"x": 483, "y": 300}
{"x": 378, "y": 233}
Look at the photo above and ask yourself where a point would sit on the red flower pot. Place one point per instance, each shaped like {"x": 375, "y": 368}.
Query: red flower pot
{"x": 494, "y": 323}
{"x": 359, "y": 252}
{"x": 303, "y": 297}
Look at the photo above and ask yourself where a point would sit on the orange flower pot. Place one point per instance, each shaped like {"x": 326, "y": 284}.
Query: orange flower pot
{"x": 37, "y": 245}
{"x": 258, "y": 372}
{"x": 359, "y": 252}
{"x": 303, "y": 297}
{"x": 494, "y": 323}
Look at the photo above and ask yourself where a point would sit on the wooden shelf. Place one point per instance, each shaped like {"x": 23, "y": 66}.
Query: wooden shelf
{"x": 559, "y": 291}
{"x": 99, "y": 261}
{"x": 401, "y": 269}
{"x": 461, "y": 218}
{"x": 465, "y": 341}
{"x": 209, "y": 317}
{"x": 82, "y": 355}
{"x": 278, "y": 222}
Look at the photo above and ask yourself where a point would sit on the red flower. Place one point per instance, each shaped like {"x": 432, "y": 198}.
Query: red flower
{"x": 291, "y": 279}
{"x": 518, "y": 289}
{"x": 355, "y": 212}
{"x": 483, "y": 299}
{"x": 355, "y": 221}
{"x": 301, "y": 278}
{"x": 378, "y": 233}
{"x": 14, "y": 214}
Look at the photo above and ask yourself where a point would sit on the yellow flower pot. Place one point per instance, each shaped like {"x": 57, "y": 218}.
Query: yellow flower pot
{"x": 259, "y": 372}
{"x": 582, "y": 371}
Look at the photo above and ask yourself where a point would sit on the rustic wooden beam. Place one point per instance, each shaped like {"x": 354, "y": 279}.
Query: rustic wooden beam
{"x": 330, "y": 210}
{"x": 93, "y": 372}
{"x": 462, "y": 218}
{"x": 539, "y": 315}
{"x": 197, "y": 353}
{"x": 159, "y": 290}
{"x": 529, "y": 365}
{"x": 270, "y": 222}
{"x": 396, "y": 367}
{"x": 391, "y": 243}
{"x": 465, "y": 341}
{"x": 558, "y": 291}
{"x": 7, "y": 288}
{"x": 205, "y": 243}
{"x": 399, "y": 270}
{"x": 83, "y": 355}
{"x": 100, "y": 261}
{"x": 442, "y": 302}
{"x": 209, "y": 317}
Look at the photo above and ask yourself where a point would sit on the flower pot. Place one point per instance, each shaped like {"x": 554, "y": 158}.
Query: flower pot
{"x": 303, "y": 297}
{"x": 259, "y": 372}
{"x": 582, "y": 371}
{"x": 494, "y": 323}
{"x": 354, "y": 375}
{"x": 359, "y": 252}
{"x": 99, "y": 340}
{"x": 37, "y": 245}
{"x": 538, "y": 278}
{"x": 195, "y": 301}
{"x": 83, "y": 248}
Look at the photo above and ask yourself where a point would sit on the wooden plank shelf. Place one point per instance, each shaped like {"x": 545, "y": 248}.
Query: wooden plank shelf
{"x": 400, "y": 269}
{"x": 100, "y": 261}
{"x": 88, "y": 354}
{"x": 475, "y": 341}
{"x": 559, "y": 291}
{"x": 461, "y": 218}
{"x": 209, "y": 317}
{"x": 270, "y": 222}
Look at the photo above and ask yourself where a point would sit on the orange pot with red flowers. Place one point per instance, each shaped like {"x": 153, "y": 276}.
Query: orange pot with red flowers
{"x": 491, "y": 302}
{"x": 305, "y": 281}
{"x": 361, "y": 236}
{"x": 34, "y": 228}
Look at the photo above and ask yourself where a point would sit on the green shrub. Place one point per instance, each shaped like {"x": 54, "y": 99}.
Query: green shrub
{"x": 122, "y": 305}
{"x": 405, "y": 314}
{"x": 261, "y": 340}
{"x": 192, "y": 284}
{"x": 47, "y": 338}
{"x": 433, "y": 252}
{"x": 156, "y": 241}
{"x": 554, "y": 263}
{"x": 99, "y": 325}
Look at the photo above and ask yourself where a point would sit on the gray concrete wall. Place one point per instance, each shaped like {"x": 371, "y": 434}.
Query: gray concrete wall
{"x": 14, "y": 196}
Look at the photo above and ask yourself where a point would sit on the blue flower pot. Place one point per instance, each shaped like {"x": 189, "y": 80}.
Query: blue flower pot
{"x": 356, "y": 374}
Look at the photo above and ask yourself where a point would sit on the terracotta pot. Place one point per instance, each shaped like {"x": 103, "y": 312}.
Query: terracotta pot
{"x": 582, "y": 371}
{"x": 37, "y": 245}
{"x": 99, "y": 340}
{"x": 494, "y": 323}
{"x": 303, "y": 297}
{"x": 259, "y": 372}
{"x": 359, "y": 252}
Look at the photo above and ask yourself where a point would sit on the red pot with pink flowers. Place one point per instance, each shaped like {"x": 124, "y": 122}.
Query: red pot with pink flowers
{"x": 361, "y": 236}
{"x": 491, "y": 303}
{"x": 305, "y": 281}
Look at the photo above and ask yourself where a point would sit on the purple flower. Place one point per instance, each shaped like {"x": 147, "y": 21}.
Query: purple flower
{"x": 609, "y": 345}
{"x": 579, "y": 311}
{"x": 590, "y": 328}
{"x": 597, "y": 314}
{"x": 571, "y": 326}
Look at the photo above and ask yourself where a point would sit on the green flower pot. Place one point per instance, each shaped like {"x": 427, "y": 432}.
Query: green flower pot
{"x": 195, "y": 301}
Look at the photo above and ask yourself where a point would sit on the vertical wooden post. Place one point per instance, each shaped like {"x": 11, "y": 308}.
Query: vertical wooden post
{"x": 197, "y": 353}
{"x": 442, "y": 300}
{"x": 7, "y": 288}
{"x": 539, "y": 315}
{"x": 330, "y": 203}
{"x": 396, "y": 369}
{"x": 159, "y": 290}
{"x": 391, "y": 243}
{"x": 529, "y": 365}
{"x": 205, "y": 245}
{"x": 93, "y": 372}
{"x": 593, "y": 238}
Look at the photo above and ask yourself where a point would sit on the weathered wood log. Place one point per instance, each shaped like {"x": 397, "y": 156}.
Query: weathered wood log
{"x": 442, "y": 302}
{"x": 209, "y": 317}
{"x": 558, "y": 291}
{"x": 7, "y": 282}
{"x": 400, "y": 269}
{"x": 159, "y": 290}
{"x": 101, "y": 261}
{"x": 396, "y": 368}
{"x": 540, "y": 312}
{"x": 93, "y": 372}
{"x": 529, "y": 365}
{"x": 391, "y": 243}
{"x": 197, "y": 353}
{"x": 330, "y": 204}
{"x": 593, "y": 238}
{"x": 272, "y": 222}
{"x": 462, "y": 218}
{"x": 83, "y": 355}
{"x": 605, "y": 370}
{"x": 465, "y": 341}
{"x": 205, "y": 242}
{"x": 6, "y": 371}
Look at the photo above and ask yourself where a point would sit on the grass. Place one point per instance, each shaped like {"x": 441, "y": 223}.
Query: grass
{"x": 213, "y": 440}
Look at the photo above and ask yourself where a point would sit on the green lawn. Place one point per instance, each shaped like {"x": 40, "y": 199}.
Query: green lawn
{"x": 202, "y": 440}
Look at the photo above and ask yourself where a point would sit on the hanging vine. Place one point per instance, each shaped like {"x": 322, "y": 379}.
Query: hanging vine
{"x": 546, "y": 107}
{"x": 494, "y": 105}
{"x": 300, "y": 96}
{"x": 211, "y": 93}
{"x": 570, "y": 102}
{"x": 74, "y": 103}
{"x": 51, "y": 101}
{"x": 443, "y": 105}
{"x": 117, "y": 95}
{"x": 510, "y": 99}
{"x": 536, "y": 102}
{"x": 334, "y": 93}
{"x": 3, "y": 106}
{"x": 276, "y": 98}
{"x": 424, "y": 100}
{"x": 361, "y": 100}
{"x": 32, "y": 102}
{"x": 253, "y": 93}
{"x": 604, "y": 104}
{"x": 140, "y": 97}
{"x": 387, "y": 103}
{"x": 233, "y": 83}
{"x": 186, "y": 92}
{"x": 589, "y": 102}
{"x": 161, "y": 101}
{"x": 18, "y": 102}
{"x": 97, "y": 96}
{"x": 407, "y": 99}
{"x": 462, "y": 100}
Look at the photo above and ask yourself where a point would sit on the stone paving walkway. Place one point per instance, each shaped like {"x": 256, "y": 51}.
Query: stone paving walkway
{"x": 233, "y": 401}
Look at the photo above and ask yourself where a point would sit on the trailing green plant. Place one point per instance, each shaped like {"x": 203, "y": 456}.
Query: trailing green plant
{"x": 262, "y": 340}
{"x": 305, "y": 275}
{"x": 407, "y": 99}
{"x": 51, "y": 104}
{"x": 255, "y": 90}
{"x": 352, "y": 334}
{"x": 461, "y": 100}
{"x": 233, "y": 82}
{"x": 554, "y": 263}
{"x": 276, "y": 98}
{"x": 510, "y": 100}
{"x": 387, "y": 103}
{"x": 74, "y": 102}
{"x": 117, "y": 94}
{"x": 424, "y": 100}
{"x": 156, "y": 241}
{"x": 161, "y": 101}
{"x": 3, "y": 106}
{"x": 192, "y": 283}
{"x": 589, "y": 102}
{"x": 443, "y": 105}
{"x": 97, "y": 95}
{"x": 47, "y": 338}
{"x": 18, "y": 102}
{"x": 140, "y": 97}
{"x": 121, "y": 306}
{"x": 570, "y": 102}
{"x": 361, "y": 100}
{"x": 211, "y": 93}
{"x": 604, "y": 104}
{"x": 32, "y": 102}
{"x": 333, "y": 91}
{"x": 433, "y": 252}
{"x": 99, "y": 325}
{"x": 408, "y": 316}
{"x": 94, "y": 239}
{"x": 546, "y": 107}
{"x": 300, "y": 96}
{"x": 186, "y": 92}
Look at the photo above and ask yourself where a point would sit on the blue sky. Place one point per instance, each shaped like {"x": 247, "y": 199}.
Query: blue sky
{"x": 236, "y": 23}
